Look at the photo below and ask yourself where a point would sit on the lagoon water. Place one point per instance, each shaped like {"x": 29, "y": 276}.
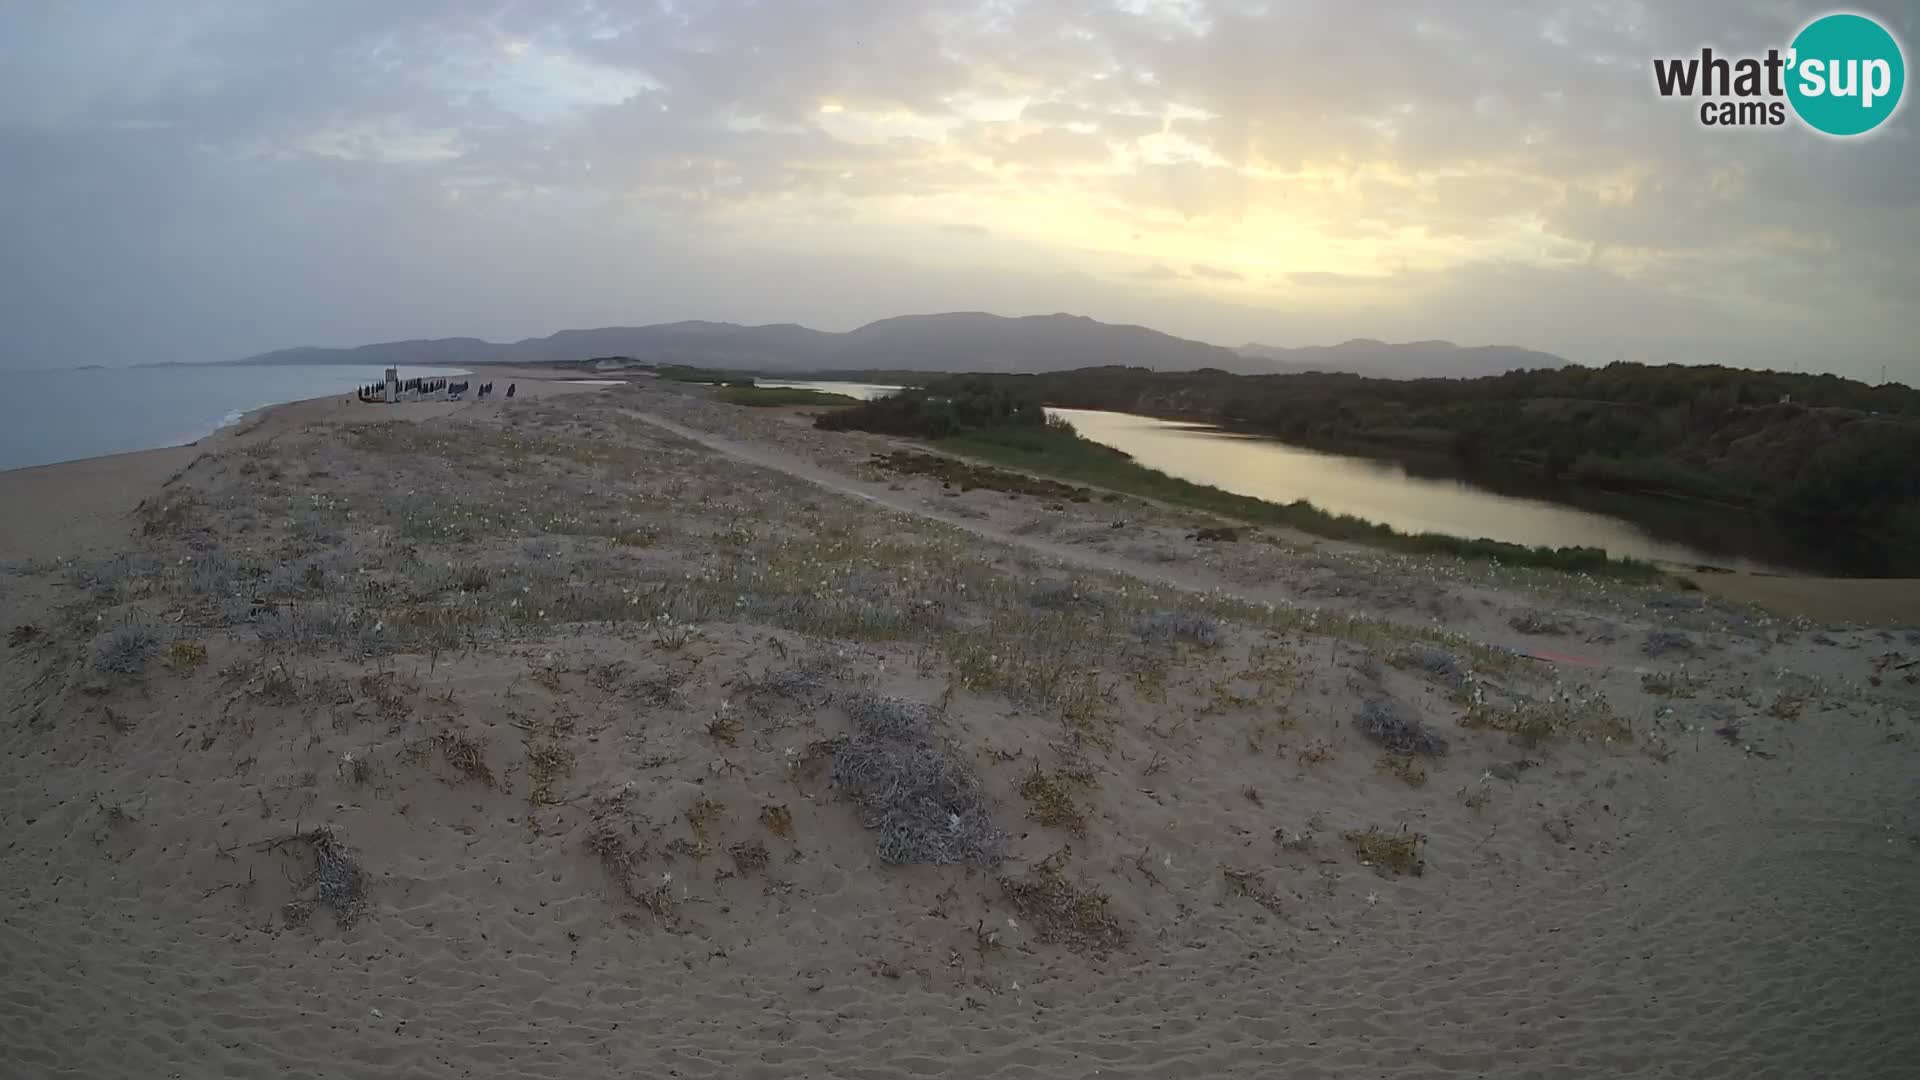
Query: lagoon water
{"x": 1376, "y": 490}
{"x": 49, "y": 416}
{"x": 1385, "y": 491}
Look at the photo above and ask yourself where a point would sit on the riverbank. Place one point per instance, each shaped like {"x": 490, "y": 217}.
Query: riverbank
{"x": 1066, "y": 456}
{"x": 1820, "y": 455}
{"x": 730, "y": 748}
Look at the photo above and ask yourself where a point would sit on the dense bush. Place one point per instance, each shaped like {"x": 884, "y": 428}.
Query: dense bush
{"x": 1817, "y": 448}
{"x": 950, "y": 407}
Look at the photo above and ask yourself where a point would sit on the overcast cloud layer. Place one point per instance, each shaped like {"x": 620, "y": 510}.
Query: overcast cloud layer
{"x": 204, "y": 179}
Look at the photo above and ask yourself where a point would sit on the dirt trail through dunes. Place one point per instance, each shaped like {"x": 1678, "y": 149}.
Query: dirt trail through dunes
{"x": 878, "y": 493}
{"x": 1184, "y": 577}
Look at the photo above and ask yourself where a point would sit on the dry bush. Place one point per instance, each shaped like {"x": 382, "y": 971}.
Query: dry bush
{"x": 549, "y": 676}
{"x": 311, "y": 629}
{"x": 621, "y": 851}
{"x": 186, "y": 656}
{"x": 1531, "y": 723}
{"x": 125, "y": 651}
{"x": 1661, "y": 641}
{"x": 724, "y": 729}
{"x": 778, "y": 820}
{"x": 1397, "y": 728}
{"x": 1189, "y": 627}
{"x": 1316, "y": 754}
{"x": 924, "y": 804}
{"x": 1049, "y": 798}
{"x": 1063, "y": 596}
{"x": 354, "y": 769}
{"x": 1441, "y": 664}
{"x": 547, "y": 763}
{"x": 702, "y": 813}
{"x": 1406, "y": 767}
{"x": 336, "y": 879}
{"x": 881, "y": 717}
{"x": 606, "y": 677}
{"x": 22, "y": 634}
{"x": 1063, "y": 913}
{"x": 279, "y": 686}
{"x": 168, "y": 516}
{"x": 390, "y": 702}
{"x": 657, "y": 689}
{"x": 660, "y": 902}
{"x": 1663, "y": 684}
{"x": 1397, "y": 852}
{"x": 617, "y": 846}
{"x": 1475, "y": 797}
{"x": 1543, "y": 623}
{"x": 1247, "y": 883}
{"x": 468, "y": 755}
{"x": 749, "y": 857}
{"x": 1300, "y": 843}
{"x": 776, "y": 693}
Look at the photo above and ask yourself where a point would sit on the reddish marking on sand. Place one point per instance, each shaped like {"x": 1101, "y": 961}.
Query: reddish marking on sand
{"x": 1558, "y": 658}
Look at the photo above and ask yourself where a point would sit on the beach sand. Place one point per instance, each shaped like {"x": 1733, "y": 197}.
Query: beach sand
{"x": 1864, "y": 601}
{"x": 584, "y": 736}
{"x": 75, "y": 507}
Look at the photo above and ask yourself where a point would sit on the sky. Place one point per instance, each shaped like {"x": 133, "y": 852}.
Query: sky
{"x": 206, "y": 179}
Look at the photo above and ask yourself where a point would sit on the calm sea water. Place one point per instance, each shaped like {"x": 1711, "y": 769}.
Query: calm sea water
{"x": 1384, "y": 491}
{"x": 49, "y": 416}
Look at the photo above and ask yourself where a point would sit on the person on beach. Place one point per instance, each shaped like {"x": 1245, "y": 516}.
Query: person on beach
{"x": 510, "y": 387}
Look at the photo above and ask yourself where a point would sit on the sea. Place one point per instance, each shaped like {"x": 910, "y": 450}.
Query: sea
{"x": 52, "y": 416}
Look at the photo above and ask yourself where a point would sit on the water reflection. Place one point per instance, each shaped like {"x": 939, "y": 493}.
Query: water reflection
{"x": 1382, "y": 491}
{"x": 863, "y": 391}
{"x": 1434, "y": 496}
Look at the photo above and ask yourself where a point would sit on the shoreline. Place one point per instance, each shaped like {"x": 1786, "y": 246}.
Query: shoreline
{"x": 180, "y": 414}
{"x": 81, "y": 504}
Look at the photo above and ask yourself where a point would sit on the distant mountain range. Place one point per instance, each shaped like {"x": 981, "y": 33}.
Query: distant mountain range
{"x": 958, "y": 341}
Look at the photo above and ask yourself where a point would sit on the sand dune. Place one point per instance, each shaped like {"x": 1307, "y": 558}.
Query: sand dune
{"x": 582, "y": 692}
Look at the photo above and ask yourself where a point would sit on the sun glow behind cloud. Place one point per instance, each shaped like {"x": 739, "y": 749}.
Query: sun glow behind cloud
{"x": 1286, "y": 171}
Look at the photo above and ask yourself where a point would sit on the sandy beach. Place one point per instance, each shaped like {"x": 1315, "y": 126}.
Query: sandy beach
{"x": 80, "y": 506}
{"x": 616, "y": 731}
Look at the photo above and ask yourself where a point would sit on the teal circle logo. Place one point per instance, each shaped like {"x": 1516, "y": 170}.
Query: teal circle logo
{"x": 1846, "y": 73}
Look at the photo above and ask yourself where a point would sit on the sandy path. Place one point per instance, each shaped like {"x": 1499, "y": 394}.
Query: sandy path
{"x": 1869, "y": 601}
{"x": 880, "y": 495}
{"x": 1184, "y": 576}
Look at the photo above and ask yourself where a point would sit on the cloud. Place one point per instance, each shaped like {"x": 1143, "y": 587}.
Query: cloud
{"x": 1492, "y": 170}
{"x": 1317, "y": 279}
